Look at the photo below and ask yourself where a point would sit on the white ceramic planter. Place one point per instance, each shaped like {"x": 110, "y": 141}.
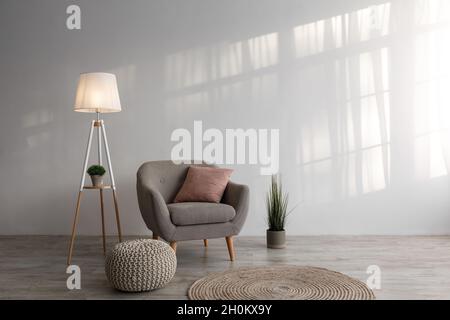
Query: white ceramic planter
{"x": 97, "y": 180}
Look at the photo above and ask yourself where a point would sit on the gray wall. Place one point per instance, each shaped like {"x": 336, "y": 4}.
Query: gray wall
{"x": 356, "y": 87}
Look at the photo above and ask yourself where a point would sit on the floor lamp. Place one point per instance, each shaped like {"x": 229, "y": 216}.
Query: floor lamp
{"x": 96, "y": 93}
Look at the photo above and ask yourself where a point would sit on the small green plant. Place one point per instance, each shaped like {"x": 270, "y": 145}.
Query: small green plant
{"x": 277, "y": 204}
{"x": 96, "y": 170}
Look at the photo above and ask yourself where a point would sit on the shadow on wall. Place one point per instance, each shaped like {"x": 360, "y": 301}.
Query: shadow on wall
{"x": 358, "y": 90}
{"x": 333, "y": 78}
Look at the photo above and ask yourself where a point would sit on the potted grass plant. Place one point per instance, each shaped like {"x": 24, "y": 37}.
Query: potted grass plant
{"x": 96, "y": 173}
{"x": 277, "y": 203}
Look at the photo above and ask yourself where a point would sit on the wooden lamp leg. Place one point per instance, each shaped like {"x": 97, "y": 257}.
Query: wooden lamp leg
{"x": 173, "y": 245}
{"x": 77, "y": 210}
{"x": 230, "y": 247}
{"x": 111, "y": 175}
{"x": 74, "y": 228}
{"x": 116, "y": 207}
{"x": 102, "y": 207}
{"x": 205, "y": 242}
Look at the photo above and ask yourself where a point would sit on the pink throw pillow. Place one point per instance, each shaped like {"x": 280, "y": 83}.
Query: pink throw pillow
{"x": 204, "y": 184}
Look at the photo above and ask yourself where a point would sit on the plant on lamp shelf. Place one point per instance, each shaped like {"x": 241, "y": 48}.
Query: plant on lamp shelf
{"x": 96, "y": 173}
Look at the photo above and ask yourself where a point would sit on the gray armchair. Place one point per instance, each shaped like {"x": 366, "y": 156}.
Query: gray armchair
{"x": 158, "y": 183}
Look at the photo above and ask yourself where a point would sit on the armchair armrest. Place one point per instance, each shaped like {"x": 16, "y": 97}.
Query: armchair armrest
{"x": 154, "y": 211}
{"x": 237, "y": 196}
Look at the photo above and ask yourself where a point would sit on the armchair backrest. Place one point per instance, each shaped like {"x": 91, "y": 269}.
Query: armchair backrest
{"x": 164, "y": 176}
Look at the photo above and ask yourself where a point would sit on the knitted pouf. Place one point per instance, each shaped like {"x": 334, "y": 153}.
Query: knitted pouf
{"x": 140, "y": 265}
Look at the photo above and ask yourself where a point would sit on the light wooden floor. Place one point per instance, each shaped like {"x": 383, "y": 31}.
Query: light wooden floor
{"x": 33, "y": 267}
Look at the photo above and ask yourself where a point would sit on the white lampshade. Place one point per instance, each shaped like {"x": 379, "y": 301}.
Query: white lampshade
{"x": 97, "y": 92}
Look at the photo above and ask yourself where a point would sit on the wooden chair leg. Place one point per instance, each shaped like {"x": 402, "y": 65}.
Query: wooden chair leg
{"x": 230, "y": 247}
{"x": 205, "y": 242}
{"x": 173, "y": 245}
{"x": 155, "y": 236}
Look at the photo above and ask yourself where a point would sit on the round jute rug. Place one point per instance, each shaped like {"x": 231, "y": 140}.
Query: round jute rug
{"x": 280, "y": 283}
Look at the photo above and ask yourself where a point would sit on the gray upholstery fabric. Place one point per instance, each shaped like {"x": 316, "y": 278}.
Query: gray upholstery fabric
{"x": 157, "y": 185}
{"x": 189, "y": 213}
{"x": 203, "y": 231}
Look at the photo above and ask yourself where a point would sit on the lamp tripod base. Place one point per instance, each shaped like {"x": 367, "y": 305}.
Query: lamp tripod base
{"x": 100, "y": 125}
